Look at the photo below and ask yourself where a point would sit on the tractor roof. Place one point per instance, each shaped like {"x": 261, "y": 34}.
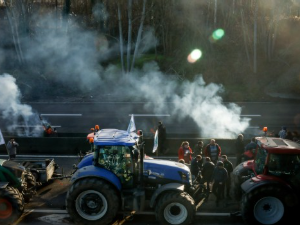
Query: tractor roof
{"x": 279, "y": 146}
{"x": 115, "y": 137}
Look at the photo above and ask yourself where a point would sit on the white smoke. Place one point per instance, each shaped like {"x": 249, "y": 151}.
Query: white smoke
{"x": 73, "y": 58}
{"x": 189, "y": 99}
{"x": 19, "y": 118}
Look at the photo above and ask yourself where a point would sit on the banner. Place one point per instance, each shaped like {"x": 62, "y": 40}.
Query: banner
{"x": 2, "y": 142}
{"x": 155, "y": 146}
{"x": 131, "y": 126}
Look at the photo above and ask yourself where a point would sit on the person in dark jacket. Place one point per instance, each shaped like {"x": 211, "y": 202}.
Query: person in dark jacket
{"x": 162, "y": 139}
{"x": 213, "y": 151}
{"x": 196, "y": 165}
{"x": 239, "y": 148}
{"x": 207, "y": 172}
{"x": 250, "y": 149}
{"x": 229, "y": 167}
{"x": 199, "y": 148}
{"x": 219, "y": 178}
{"x": 12, "y": 148}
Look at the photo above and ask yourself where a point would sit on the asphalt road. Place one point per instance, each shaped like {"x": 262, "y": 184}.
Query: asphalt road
{"x": 79, "y": 117}
{"x": 48, "y": 206}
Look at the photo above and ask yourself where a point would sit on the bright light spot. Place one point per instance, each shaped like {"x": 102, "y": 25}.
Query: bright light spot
{"x": 194, "y": 56}
{"x": 218, "y": 34}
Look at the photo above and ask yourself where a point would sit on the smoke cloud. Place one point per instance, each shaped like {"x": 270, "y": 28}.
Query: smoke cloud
{"x": 188, "y": 99}
{"x": 74, "y": 57}
{"x": 19, "y": 118}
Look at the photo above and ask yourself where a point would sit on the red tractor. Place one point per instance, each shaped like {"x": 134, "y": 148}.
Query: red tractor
{"x": 272, "y": 194}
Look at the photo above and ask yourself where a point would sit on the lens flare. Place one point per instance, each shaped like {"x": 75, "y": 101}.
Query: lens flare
{"x": 194, "y": 56}
{"x": 218, "y": 34}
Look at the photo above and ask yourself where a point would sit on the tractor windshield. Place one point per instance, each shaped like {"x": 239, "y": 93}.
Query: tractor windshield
{"x": 283, "y": 164}
{"x": 260, "y": 160}
{"x": 118, "y": 159}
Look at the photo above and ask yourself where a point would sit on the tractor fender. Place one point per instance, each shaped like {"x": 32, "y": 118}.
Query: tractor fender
{"x": 166, "y": 187}
{"x": 249, "y": 185}
{"x": 86, "y": 161}
{"x": 97, "y": 172}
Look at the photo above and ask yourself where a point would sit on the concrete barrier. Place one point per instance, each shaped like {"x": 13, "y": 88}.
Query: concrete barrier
{"x": 72, "y": 145}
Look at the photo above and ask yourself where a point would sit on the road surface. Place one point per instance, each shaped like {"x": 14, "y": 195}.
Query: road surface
{"x": 79, "y": 117}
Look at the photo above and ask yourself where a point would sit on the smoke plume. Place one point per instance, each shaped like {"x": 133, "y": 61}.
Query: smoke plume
{"x": 74, "y": 57}
{"x": 19, "y": 118}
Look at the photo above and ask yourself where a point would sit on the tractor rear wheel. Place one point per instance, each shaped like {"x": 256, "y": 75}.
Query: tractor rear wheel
{"x": 267, "y": 205}
{"x": 11, "y": 205}
{"x": 92, "y": 201}
{"x": 176, "y": 208}
{"x": 31, "y": 186}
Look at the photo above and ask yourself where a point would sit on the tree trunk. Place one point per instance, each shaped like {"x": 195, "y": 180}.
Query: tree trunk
{"x": 245, "y": 38}
{"x": 14, "y": 32}
{"x": 255, "y": 38}
{"x": 121, "y": 38}
{"x": 215, "y": 14}
{"x": 139, "y": 37}
{"x": 129, "y": 34}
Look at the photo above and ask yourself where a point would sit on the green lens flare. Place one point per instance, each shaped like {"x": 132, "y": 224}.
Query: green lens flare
{"x": 218, "y": 34}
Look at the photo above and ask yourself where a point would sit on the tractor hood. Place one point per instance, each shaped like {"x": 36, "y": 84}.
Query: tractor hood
{"x": 163, "y": 171}
{"x": 15, "y": 168}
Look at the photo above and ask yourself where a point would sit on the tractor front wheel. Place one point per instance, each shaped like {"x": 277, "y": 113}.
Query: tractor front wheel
{"x": 176, "y": 208}
{"x": 11, "y": 205}
{"x": 92, "y": 201}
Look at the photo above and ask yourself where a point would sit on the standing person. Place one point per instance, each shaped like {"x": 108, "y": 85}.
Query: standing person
{"x": 239, "y": 148}
{"x": 12, "y": 148}
{"x": 229, "y": 167}
{"x": 196, "y": 165}
{"x": 250, "y": 149}
{"x": 282, "y": 133}
{"x": 207, "y": 172}
{"x": 219, "y": 178}
{"x": 213, "y": 151}
{"x": 199, "y": 148}
{"x": 185, "y": 152}
{"x": 162, "y": 138}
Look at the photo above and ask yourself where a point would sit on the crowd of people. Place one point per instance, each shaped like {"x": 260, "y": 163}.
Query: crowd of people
{"x": 213, "y": 168}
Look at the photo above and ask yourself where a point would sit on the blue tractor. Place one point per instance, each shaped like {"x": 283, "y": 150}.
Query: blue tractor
{"x": 118, "y": 178}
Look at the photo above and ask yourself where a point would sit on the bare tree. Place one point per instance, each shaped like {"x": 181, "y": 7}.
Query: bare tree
{"x": 215, "y": 13}
{"x": 14, "y": 31}
{"x": 139, "y": 34}
{"x": 245, "y": 38}
{"x": 121, "y": 38}
{"x": 129, "y": 34}
{"x": 255, "y": 38}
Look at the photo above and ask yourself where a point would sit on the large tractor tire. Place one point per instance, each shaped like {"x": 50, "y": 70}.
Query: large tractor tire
{"x": 91, "y": 201}
{"x": 31, "y": 186}
{"x": 268, "y": 205}
{"x": 176, "y": 208}
{"x": 11, "y": 205}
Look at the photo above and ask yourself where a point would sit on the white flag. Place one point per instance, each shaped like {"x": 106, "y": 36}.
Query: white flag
{"x": 131, "y": 126}
{"x": 155, "y": 146}
{"x": 2, "y": 142}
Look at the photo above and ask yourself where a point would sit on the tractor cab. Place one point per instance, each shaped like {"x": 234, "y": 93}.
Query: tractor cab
{"x": 278, "y": 159}
{"x": 117, "y": 151}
